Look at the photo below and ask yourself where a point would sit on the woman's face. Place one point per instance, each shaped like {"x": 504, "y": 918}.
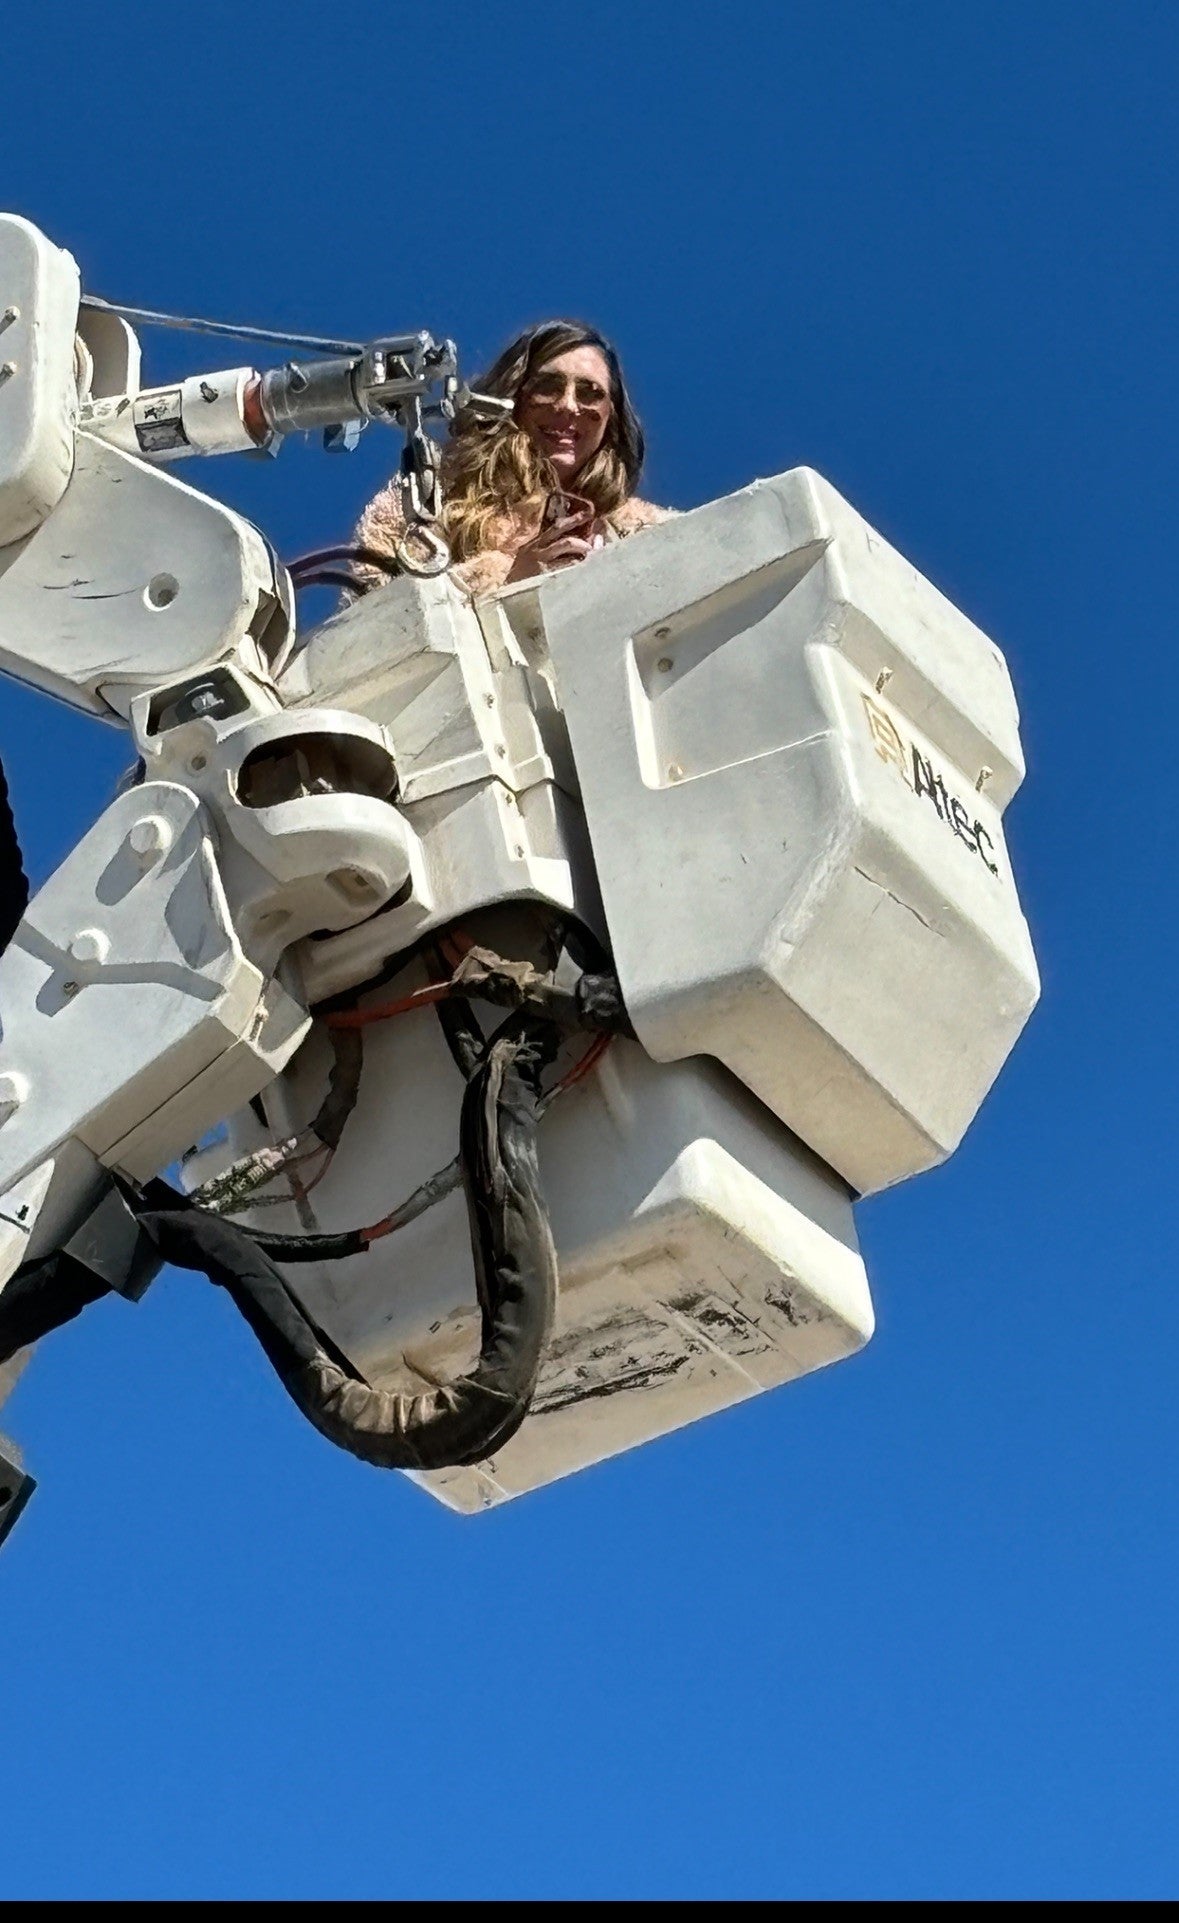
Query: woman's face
{"x": 565, "y": 408}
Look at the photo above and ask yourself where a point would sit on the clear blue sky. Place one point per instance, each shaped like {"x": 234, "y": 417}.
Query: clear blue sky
{"x": 905, "y": 1629}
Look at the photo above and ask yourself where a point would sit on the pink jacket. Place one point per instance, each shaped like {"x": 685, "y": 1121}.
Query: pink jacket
{"x": 382, "y": 525}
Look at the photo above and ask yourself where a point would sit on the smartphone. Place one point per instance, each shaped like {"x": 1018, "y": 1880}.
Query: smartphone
{"x": 567, "y": 512}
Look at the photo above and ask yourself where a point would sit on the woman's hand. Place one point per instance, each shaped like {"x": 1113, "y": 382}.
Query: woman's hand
{"x": 553, "y": 548}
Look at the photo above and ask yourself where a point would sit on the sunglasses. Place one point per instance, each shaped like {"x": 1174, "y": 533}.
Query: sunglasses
{"x": 551, "y": 388}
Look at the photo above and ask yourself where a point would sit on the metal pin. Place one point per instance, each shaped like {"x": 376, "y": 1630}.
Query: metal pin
{"x": 90, "y": 945}
{"x": 150, "y": 835}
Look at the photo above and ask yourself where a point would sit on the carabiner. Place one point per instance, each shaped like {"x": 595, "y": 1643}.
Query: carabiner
{"x": 437, "y": 558}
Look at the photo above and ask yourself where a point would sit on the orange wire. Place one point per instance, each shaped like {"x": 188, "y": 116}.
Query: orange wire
{"x": 453, "y": 946}
{"x": 361, "y": 1017}
{"x": 590, "y": 1059}
{"x": 386, "y": 1226}
{"x": 320, "y": 1172}
{"x": 300, "y": 1188}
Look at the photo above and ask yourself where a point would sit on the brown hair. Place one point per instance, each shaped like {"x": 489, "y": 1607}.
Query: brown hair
{"x": 492, "y": 471}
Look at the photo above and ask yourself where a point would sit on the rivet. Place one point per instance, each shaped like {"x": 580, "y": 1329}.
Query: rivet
{"x": 661, "y": 634}
{"x": 984, "y": 775}
{"x": 197, "y": 763}
{"x": 664, "y": 664}
{"x": 500, "y": 749}
{"x": 69, "y": 990}
{"x": 675, "y": 772}
{"x": 883, "y": 679}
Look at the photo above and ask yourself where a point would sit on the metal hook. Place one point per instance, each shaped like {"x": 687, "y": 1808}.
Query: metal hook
{"x": 437, "y": 552}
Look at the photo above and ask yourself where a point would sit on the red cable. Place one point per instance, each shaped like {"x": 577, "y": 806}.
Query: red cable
{"x": 590, "y": 1059}
{"x": 362, "y": 1017}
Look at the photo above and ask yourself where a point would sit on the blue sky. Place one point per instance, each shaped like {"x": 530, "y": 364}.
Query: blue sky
{"x": 904, "y": 1629}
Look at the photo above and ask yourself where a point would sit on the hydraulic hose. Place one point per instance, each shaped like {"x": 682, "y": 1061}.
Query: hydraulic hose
{"x": 42, "y": 1296}
{"x": 14, "y": 885}
{"x": 461, "y": 1422}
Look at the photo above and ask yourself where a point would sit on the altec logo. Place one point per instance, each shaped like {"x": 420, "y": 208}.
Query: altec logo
{"x": 919, "y": 774}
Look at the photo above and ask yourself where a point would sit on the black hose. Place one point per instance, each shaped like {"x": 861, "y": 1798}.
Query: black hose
{"x": 347, "y": 551}
{"x": 307, "y": 1248}
{"x": 331, "y": 578}
{"x": 14, "y": 883}
{"x": 42, "y": 1296}
{"x": 343, "y": 1090}
{"x": 344, "y": 1242}
{"x": 461, "y": 1033}
{"x": 461, "y": 1422}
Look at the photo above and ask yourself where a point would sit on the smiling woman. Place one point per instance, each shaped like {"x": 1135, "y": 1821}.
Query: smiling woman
{"x": 545, "y": 487}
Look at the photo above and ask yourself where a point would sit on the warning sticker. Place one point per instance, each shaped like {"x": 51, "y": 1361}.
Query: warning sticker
{"x": 158, "y": 423}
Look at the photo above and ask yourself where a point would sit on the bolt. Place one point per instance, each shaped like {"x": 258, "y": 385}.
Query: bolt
{"x": 661, "y": 634}
{"x": 664, "y": 664}
{"x": 7, "y": 368}
{"x": 489, "y": 700}
{"x": 90, "y": 945}
{"x": 150, "y": 835}
{"x": 500, "y": 749}
{"x": 984, "y": 775}
{"x": 9, "y": 315}
{"x": 675, "y": 772}
{"x": 69, "y": 990}
{"x": 883, "y": 679}
{"x": 14, "y": 1089}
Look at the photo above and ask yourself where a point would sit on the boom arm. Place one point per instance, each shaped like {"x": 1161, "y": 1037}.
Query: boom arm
{"x": 131, "y": 595}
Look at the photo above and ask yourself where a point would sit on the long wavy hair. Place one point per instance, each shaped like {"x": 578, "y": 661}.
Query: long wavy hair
{"x": 493, "y": 473}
